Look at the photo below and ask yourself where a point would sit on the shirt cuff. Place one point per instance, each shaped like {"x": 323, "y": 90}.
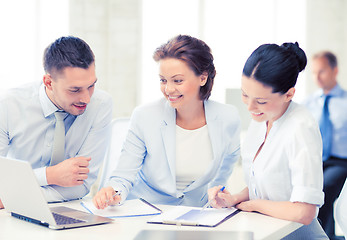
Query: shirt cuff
{"x": 52, "y": 195}
{"x": 120, "y": 188}
{"x": 307, "y": 195}
{"x": 41, "y": 176}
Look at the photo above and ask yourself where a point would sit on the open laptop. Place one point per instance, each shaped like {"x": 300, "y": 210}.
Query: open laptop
{"x": 23, "y": 198}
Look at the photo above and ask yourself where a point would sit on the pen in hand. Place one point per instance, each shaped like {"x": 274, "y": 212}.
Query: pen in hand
{"x": 209, "y": 202}
{"x": 115, "y": 194}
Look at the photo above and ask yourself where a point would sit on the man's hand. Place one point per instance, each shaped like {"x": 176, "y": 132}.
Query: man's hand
{"x": 68, "y": 173}
{"x": 1, "y": 205}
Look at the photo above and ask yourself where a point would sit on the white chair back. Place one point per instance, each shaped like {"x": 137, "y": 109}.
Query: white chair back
{"x": 120, "y": 128}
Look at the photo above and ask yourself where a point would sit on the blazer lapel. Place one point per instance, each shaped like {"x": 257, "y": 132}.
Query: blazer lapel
{"x": 215, "y": 131}
{"x": 168, "y": 131}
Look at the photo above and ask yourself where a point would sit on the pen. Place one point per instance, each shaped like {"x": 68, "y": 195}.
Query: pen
{"x": 117, "y": 193}
{"x": 209, "y": 202}
{"x": 150, "y": 204}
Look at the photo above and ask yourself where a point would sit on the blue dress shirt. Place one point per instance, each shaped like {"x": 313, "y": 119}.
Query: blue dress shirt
{"x": 338, "y": 117}
{"x": 27, "y": 132}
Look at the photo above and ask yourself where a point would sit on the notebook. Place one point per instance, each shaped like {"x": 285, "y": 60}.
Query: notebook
{"x": 194, "y": 216}
{"x": 130, "y": 208}
{"x": 23, "y": 198}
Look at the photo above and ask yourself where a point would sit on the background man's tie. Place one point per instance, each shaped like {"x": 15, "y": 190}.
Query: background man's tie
{"x": 326, "y": 129}
{"x": 58, "y": 151}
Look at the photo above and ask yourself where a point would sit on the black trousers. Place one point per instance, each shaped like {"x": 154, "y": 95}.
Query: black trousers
{"x": 335, "y": 173}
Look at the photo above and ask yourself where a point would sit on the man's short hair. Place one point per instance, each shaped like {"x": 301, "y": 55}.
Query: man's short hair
{"x": 332, "y": 60}
{"x": 67, "y": 52}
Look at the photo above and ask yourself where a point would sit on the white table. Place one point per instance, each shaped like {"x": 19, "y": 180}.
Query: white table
{"x": 262, "y": 226}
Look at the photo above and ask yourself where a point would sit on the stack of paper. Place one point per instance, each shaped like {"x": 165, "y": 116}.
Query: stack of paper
{"x": 130, "y": 208}
{"x": 182, "y": 215}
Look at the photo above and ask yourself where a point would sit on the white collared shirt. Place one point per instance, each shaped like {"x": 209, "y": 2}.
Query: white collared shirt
{"x": 27, "y": 131}
{"x": 289, "y": 165}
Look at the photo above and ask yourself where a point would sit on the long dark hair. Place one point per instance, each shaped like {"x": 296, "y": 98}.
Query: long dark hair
{"x": 276, "y": 66}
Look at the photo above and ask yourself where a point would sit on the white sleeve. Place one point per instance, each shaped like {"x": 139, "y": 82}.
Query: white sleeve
{"x": 305, "y": 153}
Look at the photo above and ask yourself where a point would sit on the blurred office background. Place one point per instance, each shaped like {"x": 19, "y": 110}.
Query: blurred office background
{"x": 124, "y": 34}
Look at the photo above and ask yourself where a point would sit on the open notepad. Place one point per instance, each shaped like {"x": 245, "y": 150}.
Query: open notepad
{"x": 130, "y": 208}
{"x": 182, "y": 215}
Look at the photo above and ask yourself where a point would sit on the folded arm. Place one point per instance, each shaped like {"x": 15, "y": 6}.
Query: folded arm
{"x": 292, "y": 211}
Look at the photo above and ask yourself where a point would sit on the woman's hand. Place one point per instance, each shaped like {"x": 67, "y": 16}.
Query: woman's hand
{"x": 248, "y": 206}
{"x": 220, "y": 199}
{"x": 224, "y": 198}
{"x": 106, "y": 197}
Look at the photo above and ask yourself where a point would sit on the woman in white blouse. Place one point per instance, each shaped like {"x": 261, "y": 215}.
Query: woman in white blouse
{"x": 281, "y": 153}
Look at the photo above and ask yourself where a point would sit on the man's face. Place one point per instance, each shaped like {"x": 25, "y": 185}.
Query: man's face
{"x": 323, "y": 74}
{"x": 71, "y": 89}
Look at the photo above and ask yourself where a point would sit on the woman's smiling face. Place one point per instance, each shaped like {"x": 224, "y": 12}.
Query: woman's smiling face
{"x": 262, "y": 103}
{"x": 179, "y": 84}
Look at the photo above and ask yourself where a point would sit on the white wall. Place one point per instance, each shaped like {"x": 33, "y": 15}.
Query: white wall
{"x": 26, "y": 28}
{"x": 232, "y": 29}
{"x": 327, "y": 30}
{"x": 113, "y": 30}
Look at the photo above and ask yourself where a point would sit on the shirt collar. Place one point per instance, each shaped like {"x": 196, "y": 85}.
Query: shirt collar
{"x": 337, "y": 91}
{"x": 283, "y": 117}
{"x": 48, "y": 107}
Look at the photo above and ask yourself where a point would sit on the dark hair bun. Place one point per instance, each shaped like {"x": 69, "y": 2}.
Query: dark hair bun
{"x": 299, "y": 54}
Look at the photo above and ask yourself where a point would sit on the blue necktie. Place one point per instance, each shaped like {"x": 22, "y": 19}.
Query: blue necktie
{"x": 326, "y": 129}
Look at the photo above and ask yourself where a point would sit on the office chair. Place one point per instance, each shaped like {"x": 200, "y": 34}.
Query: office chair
{"x": 120, "y": 128}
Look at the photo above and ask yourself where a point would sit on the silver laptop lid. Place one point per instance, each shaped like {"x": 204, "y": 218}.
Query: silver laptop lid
{"x": 20, "y": 191}
{"x": 23, "y": 198}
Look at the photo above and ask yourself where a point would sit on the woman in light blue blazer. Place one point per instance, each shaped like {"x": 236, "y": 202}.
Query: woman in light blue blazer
{"x": 183, "y": 144}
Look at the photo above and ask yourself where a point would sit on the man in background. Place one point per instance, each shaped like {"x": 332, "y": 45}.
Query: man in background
{"x": 329, "y": 107}
{"x": 61, "y": 125}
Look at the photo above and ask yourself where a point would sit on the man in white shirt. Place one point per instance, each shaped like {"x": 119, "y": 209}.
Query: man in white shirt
{"x": 28, "y": 122}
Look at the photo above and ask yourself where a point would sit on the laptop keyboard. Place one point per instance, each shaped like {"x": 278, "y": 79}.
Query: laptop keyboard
{"x": 63, "y": 220}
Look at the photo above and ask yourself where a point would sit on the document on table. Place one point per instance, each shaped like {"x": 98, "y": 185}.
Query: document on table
{"x": 130, "y": 208}
{"x": 192, "y": 216}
